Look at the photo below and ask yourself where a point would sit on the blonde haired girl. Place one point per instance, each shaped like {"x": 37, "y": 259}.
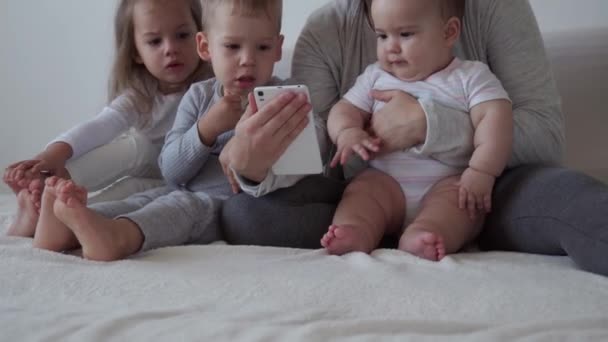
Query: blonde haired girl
{"x": 156, "y": 61}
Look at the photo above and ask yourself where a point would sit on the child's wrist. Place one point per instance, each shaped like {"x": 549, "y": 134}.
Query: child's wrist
{"x": 479, "y": 170}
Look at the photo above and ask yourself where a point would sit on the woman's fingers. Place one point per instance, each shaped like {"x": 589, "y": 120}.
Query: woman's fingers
{"x": 271, "y": 109}
{"x": 288, "y": 117}
{"x": 288, "y": 134}
{"x": 294, "y": 125}
{"x": 383, "y": 95}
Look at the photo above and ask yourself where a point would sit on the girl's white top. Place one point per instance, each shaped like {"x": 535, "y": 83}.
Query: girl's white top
{"x": 119, "y": 117}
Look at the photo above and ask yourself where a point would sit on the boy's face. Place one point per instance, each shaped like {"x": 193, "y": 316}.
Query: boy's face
{"x": 414, "y": 41}
{"x": 242, "y": 49}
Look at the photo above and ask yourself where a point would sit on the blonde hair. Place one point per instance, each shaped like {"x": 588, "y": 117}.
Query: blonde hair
{"x": 134, "y": 78}
{"x": 272, "y": 9}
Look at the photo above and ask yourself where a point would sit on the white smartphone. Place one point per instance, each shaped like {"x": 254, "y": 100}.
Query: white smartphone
{"x": 303, "y": 156}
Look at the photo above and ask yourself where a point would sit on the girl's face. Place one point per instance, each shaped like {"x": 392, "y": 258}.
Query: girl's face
{"x": 242, "y": 49}
{"x": 165, "y": 41}
{"x": 414, "y": 40}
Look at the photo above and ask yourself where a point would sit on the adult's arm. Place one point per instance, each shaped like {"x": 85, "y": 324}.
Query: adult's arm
{"x": 517, "y": 56}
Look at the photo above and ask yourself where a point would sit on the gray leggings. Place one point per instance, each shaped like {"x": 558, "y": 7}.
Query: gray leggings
{"x": 168, "y": 217}
{"x": 536, "y": 209}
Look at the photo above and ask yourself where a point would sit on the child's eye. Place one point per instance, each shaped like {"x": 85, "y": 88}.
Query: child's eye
{"x": 154, "y": 42}
{"x": 406, "y": 34}
{"x": 264, "y": 47}
{"x": 184, "y": 35}
{"x": 232, "y": 46}
{"x": 381, "y": 36}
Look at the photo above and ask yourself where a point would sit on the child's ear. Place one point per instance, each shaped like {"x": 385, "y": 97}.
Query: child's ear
{"x": 452, "y": 31}
{"x": 280, "y": 49}
{"x": 202, "y": 46}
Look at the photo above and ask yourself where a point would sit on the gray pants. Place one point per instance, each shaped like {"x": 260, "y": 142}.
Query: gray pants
{"x": 536, "y": 209}
{"x": 168, "y": 217}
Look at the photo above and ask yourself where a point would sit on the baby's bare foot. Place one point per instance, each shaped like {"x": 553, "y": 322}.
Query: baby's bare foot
{"x": 102, "y": 239}
{"x": 51, "y": 233}
{"x": 423, "y": 243}
{"x": 27, "y": 214}
{"x": 342, "y": 239}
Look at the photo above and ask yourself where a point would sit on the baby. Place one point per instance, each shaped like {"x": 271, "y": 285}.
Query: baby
{"x": 443, "y": 203}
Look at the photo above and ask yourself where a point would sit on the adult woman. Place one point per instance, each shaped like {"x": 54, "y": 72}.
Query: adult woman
{"x": 538, "y": 209}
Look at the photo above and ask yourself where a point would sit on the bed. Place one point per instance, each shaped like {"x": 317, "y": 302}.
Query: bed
{"x": 247, "y": 293}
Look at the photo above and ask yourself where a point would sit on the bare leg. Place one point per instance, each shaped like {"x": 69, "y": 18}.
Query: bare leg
{"x": 27, "y": 214}
{"x": 51, "y": 233}
{"x": 101, "y": 238}
{"x": 371, "y": 206}
{"x": 441, "y": 227}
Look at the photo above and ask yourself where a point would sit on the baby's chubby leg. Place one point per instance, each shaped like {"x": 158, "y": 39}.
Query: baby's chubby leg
{"x": 441, "y": 227}
{"x": 372, "y": 205}
{"x": 51, "y": 233}
{"x": 101, "y": 238}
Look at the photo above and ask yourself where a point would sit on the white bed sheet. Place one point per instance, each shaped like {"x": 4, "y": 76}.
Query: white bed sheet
{"x": 246, "y": 293}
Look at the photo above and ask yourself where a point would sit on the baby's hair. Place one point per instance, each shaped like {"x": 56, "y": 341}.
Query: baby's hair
{"x": 272, "y": 9}
{"x": 134, "y": 78}
{"x": 452, "y": 8}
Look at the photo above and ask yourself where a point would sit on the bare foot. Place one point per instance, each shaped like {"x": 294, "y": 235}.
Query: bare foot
{"x": 342, "y": 239}
{"x": 51, "y": 233}
{"x": 422, "y": 243}
{"x": 27, "y": 214}
{"x": 101, "y": 238}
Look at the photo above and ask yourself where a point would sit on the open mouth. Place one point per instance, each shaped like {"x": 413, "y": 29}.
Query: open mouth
{"x": 246, "y": 81}
{"x": 175, "y": 65}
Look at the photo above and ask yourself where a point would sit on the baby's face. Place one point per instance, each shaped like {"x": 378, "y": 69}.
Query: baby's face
{"x": 242, "y": 49}
{"x": 412, "y": 42}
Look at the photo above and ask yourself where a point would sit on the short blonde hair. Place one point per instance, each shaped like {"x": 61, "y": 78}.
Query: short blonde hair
{"x": 134, "y": 78}
{"x": 272, "y": 9}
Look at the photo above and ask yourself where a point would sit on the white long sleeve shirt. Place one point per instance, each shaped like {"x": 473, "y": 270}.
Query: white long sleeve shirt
{"x": 119, "y": 117}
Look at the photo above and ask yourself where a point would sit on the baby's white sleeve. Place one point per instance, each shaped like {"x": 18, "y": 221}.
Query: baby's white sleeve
{"x": 359, "y": 95}
{"x": 482, "y": 85}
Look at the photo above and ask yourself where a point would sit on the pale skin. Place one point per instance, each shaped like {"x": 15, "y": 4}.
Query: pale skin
{"x": 165, "y": 45}
{"x": 260, "y": 139}
{"x": 453, "y": 210}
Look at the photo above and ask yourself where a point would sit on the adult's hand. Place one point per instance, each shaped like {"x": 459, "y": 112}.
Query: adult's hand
{"x": 401, "y": 123}
{"x": 262, "y": 136}
{"x": 225, "y": 162}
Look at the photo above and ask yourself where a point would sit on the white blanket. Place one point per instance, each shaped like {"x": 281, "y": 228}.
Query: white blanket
{"x": 245, "y": 293}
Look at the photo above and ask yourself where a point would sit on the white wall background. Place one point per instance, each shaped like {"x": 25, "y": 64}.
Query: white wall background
{"x": 56, "y": 54}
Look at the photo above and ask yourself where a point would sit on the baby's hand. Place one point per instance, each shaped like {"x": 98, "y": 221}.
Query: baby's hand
{"x": 355, "y": 140}
{"x": 475, "y": 191}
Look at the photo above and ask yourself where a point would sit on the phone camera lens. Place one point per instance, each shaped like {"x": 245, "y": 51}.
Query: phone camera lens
{"x": 260, "y": 93}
